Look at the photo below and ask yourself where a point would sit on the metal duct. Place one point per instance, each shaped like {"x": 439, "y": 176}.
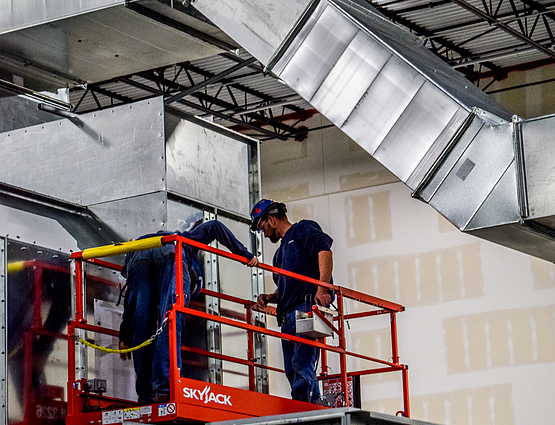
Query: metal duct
{"x": 49, "y": 44}
{"x": 439, "y": 134}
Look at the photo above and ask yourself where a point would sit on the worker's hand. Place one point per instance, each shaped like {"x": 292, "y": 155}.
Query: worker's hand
{"x": 262, "y": 300}
{"x": 124, "y": 356}
{"x": 322, "y": 297}
{"x": 253, "y": 262}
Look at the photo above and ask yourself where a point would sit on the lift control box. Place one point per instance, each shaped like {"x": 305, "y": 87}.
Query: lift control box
{"x": 311, "y": 324}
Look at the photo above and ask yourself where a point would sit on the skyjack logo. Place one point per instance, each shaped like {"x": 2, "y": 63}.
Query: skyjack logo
{"x": 206, "y": 396}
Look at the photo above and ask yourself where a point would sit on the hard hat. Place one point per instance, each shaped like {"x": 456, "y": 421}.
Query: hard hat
{"x": 264, "y": 207}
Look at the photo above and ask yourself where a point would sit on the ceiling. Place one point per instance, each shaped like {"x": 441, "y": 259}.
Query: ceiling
{"x": 178, "y": 54}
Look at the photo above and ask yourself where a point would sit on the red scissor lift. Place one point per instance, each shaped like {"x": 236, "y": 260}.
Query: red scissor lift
{"x": 192, "y": 400}
{"x": 45, "y": 404}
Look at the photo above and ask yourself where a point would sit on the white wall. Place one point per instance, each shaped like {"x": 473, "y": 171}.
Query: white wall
{"x": 478, "y": 332}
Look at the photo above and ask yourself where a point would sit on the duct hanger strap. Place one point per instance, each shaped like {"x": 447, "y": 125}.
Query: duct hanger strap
{"x": 520, "y": 168}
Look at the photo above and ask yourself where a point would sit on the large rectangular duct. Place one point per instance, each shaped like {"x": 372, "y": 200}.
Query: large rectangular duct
{"x": 137, "y": 167}
{"x": 48, "y": 44}
{"x": 438, "y": 133}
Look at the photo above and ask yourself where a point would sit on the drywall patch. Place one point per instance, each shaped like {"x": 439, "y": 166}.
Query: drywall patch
{"x": 543, "y": 272}
{"x": 368, "y": 218}
{"x": 500, "y": 339}
{"x": 490, "y": 405}
{"x": 422, "y": 279}
{"x": 377, "y": 344}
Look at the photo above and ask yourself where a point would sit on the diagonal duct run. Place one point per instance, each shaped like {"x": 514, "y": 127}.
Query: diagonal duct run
{"x": 455, "y": 147}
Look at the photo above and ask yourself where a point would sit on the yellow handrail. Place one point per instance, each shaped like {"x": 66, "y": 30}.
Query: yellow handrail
{"x": 120, "y": 248}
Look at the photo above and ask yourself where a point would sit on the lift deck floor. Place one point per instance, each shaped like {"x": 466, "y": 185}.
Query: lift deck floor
{"x": 198, "y": 402}
{"x": 339, "y": 416}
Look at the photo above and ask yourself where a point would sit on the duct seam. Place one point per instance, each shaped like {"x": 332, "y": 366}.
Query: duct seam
{"x": 486, "y": 198}
{"x": 288, "y": 40}
{"x": 443, "y": 156}
{"x": 520, "y": 168}
{"x": 452, "y": 166}
{"x": 395, "y": 52}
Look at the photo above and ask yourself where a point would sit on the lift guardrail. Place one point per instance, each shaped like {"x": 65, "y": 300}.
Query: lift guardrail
{"x": 191, "y": 407}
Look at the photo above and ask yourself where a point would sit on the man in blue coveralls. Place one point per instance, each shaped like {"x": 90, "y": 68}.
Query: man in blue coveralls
{"x": 151, "y": 293}
{"x": 305, "y": 249}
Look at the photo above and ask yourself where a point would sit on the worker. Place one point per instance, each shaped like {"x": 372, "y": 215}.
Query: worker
{"x": 304, "y": 249}
{"x": 151, "y": 293}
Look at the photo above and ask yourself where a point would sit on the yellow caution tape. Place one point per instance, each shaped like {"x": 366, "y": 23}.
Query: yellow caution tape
{"x": 122, "y": 248}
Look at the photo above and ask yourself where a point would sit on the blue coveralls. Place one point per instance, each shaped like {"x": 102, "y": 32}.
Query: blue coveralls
{"x": 151, "y": 293}
{"x": 298, "y": 252}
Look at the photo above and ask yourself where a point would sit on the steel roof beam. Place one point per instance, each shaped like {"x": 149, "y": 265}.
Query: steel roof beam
{"x": 448, "y": 45}
{"x": 241, "y": 87}
{"x": 464, "y": 25}
{"x": 213, "y": 100}
{"x": 211, "y": 80}
{"x": 204, "y": 109}
{"x": 504, "y": 27}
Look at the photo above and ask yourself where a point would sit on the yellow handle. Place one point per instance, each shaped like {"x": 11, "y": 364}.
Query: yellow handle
{"x": 15, "y": 266}
{"x": 122, "y": 248}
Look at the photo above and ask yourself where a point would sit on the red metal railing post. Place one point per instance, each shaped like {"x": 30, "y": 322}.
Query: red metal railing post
{"x": 406, "y": 402}
{"x": 343, "y": 346}
{"x": 175, "y": 373}
{"x": 394, "y": 346}
{"x": 250, "y": 351}
{"x": 37, "y": 315}
{"x": 324, "y": 361}
{"x": 79, "y": 307}
{"x": 180, "y": 300}
{"x": 70, "y": 369}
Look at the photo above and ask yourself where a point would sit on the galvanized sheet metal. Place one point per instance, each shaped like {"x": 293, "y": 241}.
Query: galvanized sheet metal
{"x": 102, "y": 44}
{"x": 134, "y": 216}
{"x": 260, "y": 26}
{"x": 539, "y": 158}
{"x": 345, "y": 86}
{"x": 318, "y": 52}
{"x": 208, "y": 166}
{"x": 500, "y": 207}
{"x": 475, "y": 174}
{"x": 98, "y": 157}
{"x": 17, "y": 14}
{"x": 458, "y": 150}
{"x": 3, "y": 331}
{"x": 424, "y": 119}
{"x": 382, "y": 104}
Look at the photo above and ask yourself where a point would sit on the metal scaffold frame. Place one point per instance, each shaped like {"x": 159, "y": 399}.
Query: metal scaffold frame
{"x": 208, "y": 402}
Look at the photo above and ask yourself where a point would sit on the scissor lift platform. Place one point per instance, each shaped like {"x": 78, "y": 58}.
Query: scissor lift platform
{"x": 338, "y": 416}
{"x": 192, "y": 401}
{"x": 198, "y": 402}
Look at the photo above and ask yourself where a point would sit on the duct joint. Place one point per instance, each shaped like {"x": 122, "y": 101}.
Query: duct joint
{"x": 288, "y": 40}
{"x": 520, "y": 168}
{"x": 438, "y": 163}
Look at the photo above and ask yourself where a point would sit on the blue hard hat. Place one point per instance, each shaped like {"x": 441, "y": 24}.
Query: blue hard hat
{"x": 263, "y": 207}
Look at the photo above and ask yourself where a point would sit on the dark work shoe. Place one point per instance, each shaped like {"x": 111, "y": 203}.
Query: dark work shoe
{"x": 161, "y": 398}
{"x": 143, "y": 401}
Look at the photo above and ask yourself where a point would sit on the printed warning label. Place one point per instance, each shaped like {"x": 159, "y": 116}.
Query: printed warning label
{"x": 146, "y": 410}
{"x": 133, "y": 413}
{"x": 112, "y": 417}
{"x": 166, "y": 409}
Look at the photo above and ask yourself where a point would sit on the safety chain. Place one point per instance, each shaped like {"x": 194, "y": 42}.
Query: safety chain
{"x": 126, "y": 350}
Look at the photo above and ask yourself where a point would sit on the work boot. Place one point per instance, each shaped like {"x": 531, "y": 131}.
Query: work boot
{"x": 161, "y": 398}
